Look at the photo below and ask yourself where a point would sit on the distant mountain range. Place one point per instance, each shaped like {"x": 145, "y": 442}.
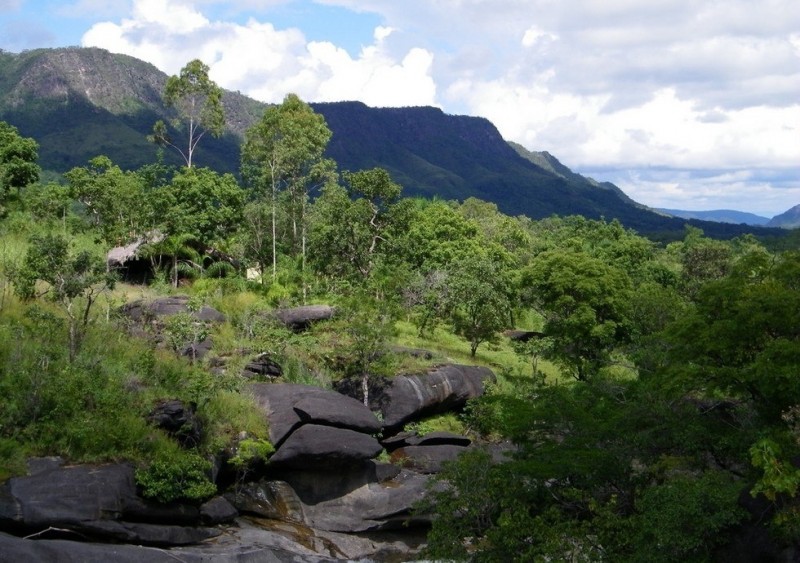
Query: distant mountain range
{"x": 82, "y": 102}
{"x": 787, "y": 220}
{"x": 719, "y": 215}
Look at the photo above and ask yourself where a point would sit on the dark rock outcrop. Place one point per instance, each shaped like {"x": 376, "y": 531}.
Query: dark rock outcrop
{"x": 262, "y": 367}
{"x": 178, "y": 419}
{"x": 313, "y": 445}
{"x": 445, "y": 388}
{"x": 243, "y": 546}
{"x": 270, "y": 499}
{"x": 372, "y": 496}
{"x": 288, "y": 406}
{"x": 217, "y": 511}
{"x": 522, "y": 335}
{"x": 143, "y": 311}
{"x": 95, "y": 502}
{"x": 67, "y": 497}
{"x": 404, "y": 439}
{"x": 301, "y": 318}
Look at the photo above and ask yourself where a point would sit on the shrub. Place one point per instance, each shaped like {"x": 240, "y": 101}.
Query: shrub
{"x": 180, "y": 476}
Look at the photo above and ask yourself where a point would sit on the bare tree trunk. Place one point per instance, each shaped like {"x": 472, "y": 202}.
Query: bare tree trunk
{"x": 274, "y": 228}
{"x": 365, "y": 388}
{"x": 303, "y": 249}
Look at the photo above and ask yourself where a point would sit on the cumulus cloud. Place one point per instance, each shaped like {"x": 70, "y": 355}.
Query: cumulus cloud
{"x": 264, "y": 62}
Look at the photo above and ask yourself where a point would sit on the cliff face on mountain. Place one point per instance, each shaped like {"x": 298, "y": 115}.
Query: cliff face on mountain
{"x": 82, "y": 102}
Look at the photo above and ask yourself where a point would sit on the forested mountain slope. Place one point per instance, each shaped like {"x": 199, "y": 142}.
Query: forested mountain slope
{"x": 79, "y": 103}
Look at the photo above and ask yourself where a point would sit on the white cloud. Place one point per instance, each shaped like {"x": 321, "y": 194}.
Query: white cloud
{"x": 265, "y": 62}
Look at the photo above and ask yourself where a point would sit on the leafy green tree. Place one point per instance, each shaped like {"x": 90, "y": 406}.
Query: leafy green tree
{"x": 199, "y": 210}
{"x": 198, "y": 102}
{"x": 365, "y": 326}
{"x": 115, "y": 200}
{"x": 428, "y": 295}
{"x": 742, "y": 339}
{"x": 702, "y": 260}
{"x": 436, "y": 235}
{"x": 507, "y": 232}
{"x": 351, "y": 224}
{"x": 50, "y": 201}
{"x": 604, "y": 470}
{"x": 256, "y": 237}
{"x": 73, "y": 280}
{"x": 283, "y": 152}
{"x": 585, "y": 303}
{"x": 18, "y": 161}
{"x": 480, "y": 300}
{"x": 181, "y": 251}
{"x": 201, "y": 203}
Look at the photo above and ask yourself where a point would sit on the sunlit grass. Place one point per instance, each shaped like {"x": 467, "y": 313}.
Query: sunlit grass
{"x": 499, "y": 356}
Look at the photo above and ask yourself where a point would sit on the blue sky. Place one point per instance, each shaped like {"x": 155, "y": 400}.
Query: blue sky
{"x": 690, "y": 104}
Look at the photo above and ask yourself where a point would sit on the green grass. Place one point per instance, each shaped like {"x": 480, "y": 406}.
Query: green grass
{"x": 500, "y": 356}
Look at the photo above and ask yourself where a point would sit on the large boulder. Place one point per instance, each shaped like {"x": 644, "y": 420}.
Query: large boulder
{"x": 177, "y": 419}
{"x": 146, "y": 534}
{"x": 145, "y": 311}
{"x": 369, "y": 497}
{"x": 271, "y": 499}
{"x": 67, "y": 496}
{"x": 301, "y": 318}
{"x": 445, "y": 388}
{"x": 313, "y": 445}
{"x": 95, "y": 501}
{"x": 288, "y": 406}
{"x": 240, "y": 546}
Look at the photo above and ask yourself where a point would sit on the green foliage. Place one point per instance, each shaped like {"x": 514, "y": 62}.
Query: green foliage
{"x": 685, "y": 517}
{"x": 586, "y": 306}
{"x": 182, "y": 331}
{"x": 116, "y": 201}
{"x": 448, "y": 422}
{"x": 741, "y": 339}
{"x": 202, "y": 204}
{"x": 227, "y": 415}
{"x": 283, "y": 153}
{"x": 479, "y": 299}
{"x": 74, "y": 281}
{"x": 467, "y": 515}
{"x": 48, "y": 201}
{"x": 779, "y": 477}
{"x": 180, "y": 476}
{"x": 12, "y": 458}
{"x": 249, "y": 452}
{"x": 360, "y": 338}
{"x": 198, "y": 101}
{"x": 18, "y": 162}
{"x": 351, "y": 225}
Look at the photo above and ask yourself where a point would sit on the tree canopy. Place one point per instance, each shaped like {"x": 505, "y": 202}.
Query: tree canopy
{"x": 198, "y": 102}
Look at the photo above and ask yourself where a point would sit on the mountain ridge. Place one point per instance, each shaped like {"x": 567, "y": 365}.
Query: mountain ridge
{"x": 81, "y": 102}
{"x": 719, "y": 215}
